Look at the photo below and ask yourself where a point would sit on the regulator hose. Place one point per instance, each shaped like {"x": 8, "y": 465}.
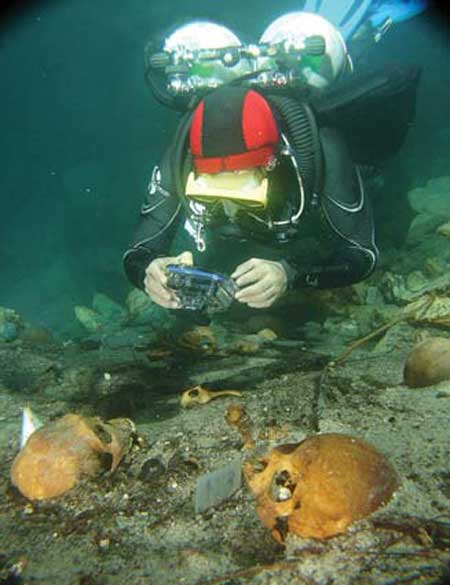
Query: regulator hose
{"x": 178, "y": 150}
{"x": 304, "y": 137}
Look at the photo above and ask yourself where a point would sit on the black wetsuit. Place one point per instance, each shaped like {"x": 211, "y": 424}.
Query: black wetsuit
{"x": 332, "y": 244}
{"x": 337, "y": 223}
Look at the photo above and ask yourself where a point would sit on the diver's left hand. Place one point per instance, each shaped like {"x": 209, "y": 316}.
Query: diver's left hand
{"x": 261, "y": 282}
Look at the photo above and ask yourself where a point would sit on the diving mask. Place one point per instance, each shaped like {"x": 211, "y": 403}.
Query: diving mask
{"x": 247, "y": 188}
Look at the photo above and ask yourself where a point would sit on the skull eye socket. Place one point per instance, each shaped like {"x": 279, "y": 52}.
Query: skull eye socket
{"x": 194, "y": 393}
{"x": 282, "y": 486}
{"x": 102, "y": 434}
{"x": 259, "y": 465}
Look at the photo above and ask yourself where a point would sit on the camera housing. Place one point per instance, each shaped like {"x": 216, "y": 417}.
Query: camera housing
{"x": 201, "y": 290}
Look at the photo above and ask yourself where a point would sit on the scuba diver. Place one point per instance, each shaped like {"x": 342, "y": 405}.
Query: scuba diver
{"x": 263, "y": 181}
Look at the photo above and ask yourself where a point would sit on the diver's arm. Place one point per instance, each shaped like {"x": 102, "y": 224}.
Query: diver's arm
{"x": 348, "y": 214}
{"x": 347, "y": 266}
{"x": 160, "y": 216}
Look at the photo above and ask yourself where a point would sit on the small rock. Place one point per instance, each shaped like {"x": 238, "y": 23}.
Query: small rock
{"x": 106, "y": 307}
{"x": 444, "y": 230}
{"x": 416, "y": 281}
{"x": 89, "y": 318}
{"x": 8, "y": 331}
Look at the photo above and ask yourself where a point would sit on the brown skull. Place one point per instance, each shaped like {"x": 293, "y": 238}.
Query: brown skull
{"x": 200, "y": 339}
{"x": 316, "y": 488}
{"x": 58, "y": 454}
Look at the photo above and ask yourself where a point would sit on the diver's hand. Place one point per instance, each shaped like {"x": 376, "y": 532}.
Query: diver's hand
{"x": 155, "y": 281}
{"x": 261, "y": 282}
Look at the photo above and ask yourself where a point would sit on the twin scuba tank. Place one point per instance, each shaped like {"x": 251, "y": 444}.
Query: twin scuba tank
{"x": 298, "y": 50}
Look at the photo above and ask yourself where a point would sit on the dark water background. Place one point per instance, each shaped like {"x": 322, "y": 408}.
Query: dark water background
{"x": 80, "y": 134}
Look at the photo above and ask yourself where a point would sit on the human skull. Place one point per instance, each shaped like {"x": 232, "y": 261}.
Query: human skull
{"x": 317, "y": 488}
{"x": 61, "y": 452}
{"x": 200, "y": 339}
{"x": 428, "y": 363}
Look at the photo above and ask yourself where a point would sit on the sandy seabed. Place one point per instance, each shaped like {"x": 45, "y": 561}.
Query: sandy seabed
{"x": 138, "y": 525}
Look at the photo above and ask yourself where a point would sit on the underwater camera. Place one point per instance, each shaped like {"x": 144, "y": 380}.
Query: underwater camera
{"x": 299, "y": 49}
{"x": 201, "y": 290}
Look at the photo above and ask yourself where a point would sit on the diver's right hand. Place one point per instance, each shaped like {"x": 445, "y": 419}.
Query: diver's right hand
{"x": 155, "y": 281}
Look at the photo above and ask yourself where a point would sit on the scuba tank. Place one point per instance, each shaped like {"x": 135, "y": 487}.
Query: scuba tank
{"x": 298, "y": 50}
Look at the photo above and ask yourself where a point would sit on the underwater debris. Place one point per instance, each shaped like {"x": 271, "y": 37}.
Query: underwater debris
{"x": 444, "y": 230}
{"x": 400, "y": 290}
{"x": 430, "y": 309}
{"x": 215, "y": 487}
{"x": 30, "y": 423}
{"x": 317, "y": 488}
{"x": 237, "y": 417}
{"x": 428, "y": 363}
{"x": 61, "y": 452}
{"x": 10, "y": 324}
{"x": 252, "y": 343}
{"x": 199, "y": 395}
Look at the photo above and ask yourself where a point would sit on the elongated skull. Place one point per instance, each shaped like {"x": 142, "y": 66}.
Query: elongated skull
{"x": 317, "y": 488}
